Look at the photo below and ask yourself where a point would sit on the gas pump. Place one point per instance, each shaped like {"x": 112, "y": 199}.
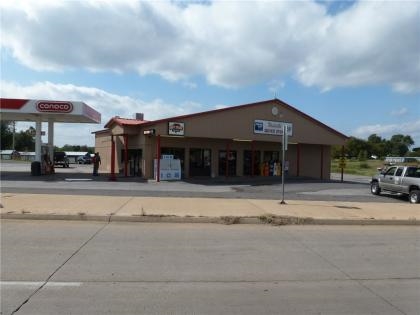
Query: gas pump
{"x": 47, "y": 166}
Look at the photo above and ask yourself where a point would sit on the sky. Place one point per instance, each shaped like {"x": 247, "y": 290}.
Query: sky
{"x": 353, "y": 65}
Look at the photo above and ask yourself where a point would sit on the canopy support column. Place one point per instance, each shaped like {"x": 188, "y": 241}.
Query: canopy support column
{"x": 51, "y": 139}
{"x": 112, "y": 177}
{"x": 38, "y": 128}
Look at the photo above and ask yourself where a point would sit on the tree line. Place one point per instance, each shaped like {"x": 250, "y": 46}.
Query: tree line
{"x": 377, "y": 147}
{"x": 24, "y": 140}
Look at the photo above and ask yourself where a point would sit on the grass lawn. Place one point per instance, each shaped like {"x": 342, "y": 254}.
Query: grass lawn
{"x": 355, "y": 167}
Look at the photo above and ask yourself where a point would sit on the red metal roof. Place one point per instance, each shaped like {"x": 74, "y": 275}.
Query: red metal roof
{"x": 124, "y": 122}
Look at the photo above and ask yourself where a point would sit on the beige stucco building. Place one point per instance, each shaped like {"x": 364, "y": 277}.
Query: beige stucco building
{"x": 236, "y": 141}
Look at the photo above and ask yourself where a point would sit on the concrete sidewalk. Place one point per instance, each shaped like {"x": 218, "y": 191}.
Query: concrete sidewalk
{"x": 204, "y": 210}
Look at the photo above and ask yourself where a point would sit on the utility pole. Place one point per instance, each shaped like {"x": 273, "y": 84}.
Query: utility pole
{"x": 283, "y": 163}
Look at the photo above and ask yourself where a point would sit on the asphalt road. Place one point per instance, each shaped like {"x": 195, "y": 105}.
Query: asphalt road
{"x": 77, "y": 180}
{"x": 59, "y": 267}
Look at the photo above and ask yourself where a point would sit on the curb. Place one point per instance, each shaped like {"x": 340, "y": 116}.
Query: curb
{"x": 230, "y": 220}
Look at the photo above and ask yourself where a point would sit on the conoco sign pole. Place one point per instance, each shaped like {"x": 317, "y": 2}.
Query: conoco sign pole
{"x": 283, "y": 145}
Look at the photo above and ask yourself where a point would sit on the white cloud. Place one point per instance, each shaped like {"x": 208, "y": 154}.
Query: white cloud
{"x": 230, "y": 43}
{"x": 275, "y": 86}
{"x": 108, "y": 104}
{"x": 400, "y": 112}
{"x": 411, "y": 128}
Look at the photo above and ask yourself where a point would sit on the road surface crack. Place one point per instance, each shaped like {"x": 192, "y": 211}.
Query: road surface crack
{"x": 61, "y": 266}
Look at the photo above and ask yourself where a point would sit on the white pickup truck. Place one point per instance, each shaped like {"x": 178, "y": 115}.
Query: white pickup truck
{"x": 398, "y": 179}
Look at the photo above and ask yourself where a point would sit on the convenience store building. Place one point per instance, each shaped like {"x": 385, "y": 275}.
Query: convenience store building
{"x": 241, "y": 140}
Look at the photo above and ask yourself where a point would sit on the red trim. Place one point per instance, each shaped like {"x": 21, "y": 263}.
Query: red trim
{"x": 12, "y": 103}
{"x": 298, "y": 160}
{"x": 342, "y": 169}
{"x": 158, "y": 159}
{"x": 252, "y": 157}
{"x": 322, "y": 161}
{"x": 125, "y": 155}
{"x": 112, "y": 177}
{"x": 227, "y": 158}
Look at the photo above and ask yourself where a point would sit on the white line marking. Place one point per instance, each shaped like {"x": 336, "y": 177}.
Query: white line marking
{"x": 39, "y": 283}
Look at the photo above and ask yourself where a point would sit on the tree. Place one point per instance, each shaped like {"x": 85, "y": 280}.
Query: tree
{"x": 24, "y": 140}
{"x": 6, "y": 135}
{"x": 355, "y": 146}
{"x": 75, "y": 148}
{"x": 413, "y": 153}
{"x": 374, "y": 138}
{"x": 407, "y": 140}
{"x": 336, "y": 151}
{"x": 400, "y": 144}
{"x": 377, "y": 145}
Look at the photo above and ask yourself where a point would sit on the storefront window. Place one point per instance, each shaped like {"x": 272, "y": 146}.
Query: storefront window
{"x": 200, "y": 162}
{"x": 271, "y": 156}
{"x": 271, "y": 165}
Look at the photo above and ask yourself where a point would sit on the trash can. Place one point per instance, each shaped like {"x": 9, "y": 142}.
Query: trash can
{"x": 36, "y": 168}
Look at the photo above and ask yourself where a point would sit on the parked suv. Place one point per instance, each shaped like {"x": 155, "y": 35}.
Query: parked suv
{"x": 60, "y": 158}
{"x": 84, "y": 159}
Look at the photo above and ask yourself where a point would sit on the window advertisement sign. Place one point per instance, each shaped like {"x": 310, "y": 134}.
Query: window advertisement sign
{"x": 176, "y": 128}
{"x": 267, "y": 127}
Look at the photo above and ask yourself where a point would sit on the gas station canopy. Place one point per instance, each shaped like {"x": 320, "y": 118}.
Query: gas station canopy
{"x": 39, "y": 111}
{"x": 56, "y": 111}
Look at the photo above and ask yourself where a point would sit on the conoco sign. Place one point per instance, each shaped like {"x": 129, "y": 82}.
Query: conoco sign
{"x": 54, "y": 107}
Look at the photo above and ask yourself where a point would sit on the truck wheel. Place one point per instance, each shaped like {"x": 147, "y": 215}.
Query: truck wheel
{"x": 414, "y": 196}
{"x": 375, "y": 189}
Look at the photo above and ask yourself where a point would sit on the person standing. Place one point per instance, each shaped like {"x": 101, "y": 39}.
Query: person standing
{"x": 96, "y": 163}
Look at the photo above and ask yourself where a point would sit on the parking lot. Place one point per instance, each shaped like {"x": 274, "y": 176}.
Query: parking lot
{"x": 78, "y": 180}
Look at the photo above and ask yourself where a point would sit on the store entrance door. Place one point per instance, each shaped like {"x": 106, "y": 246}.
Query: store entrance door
{"x": 248, "y": 163}
{"x": 134, "y": 158}
{"x": 200, "y": 162}
{"x": 228, "y": 161}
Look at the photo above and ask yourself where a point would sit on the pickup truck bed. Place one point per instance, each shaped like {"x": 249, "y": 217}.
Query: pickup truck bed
{"x": 398, "y": 179}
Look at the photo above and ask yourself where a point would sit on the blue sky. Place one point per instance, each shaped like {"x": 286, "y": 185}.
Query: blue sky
{"x": 355, "y": 66}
